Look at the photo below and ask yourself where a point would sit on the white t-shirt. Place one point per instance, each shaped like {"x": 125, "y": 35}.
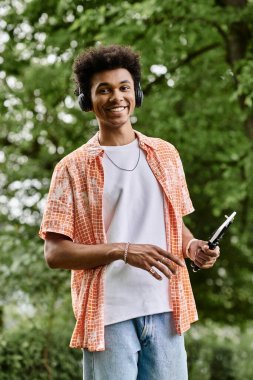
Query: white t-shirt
{"x": 133, "y": 212}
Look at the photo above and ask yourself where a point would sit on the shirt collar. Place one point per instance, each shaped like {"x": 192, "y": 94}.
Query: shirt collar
{"x": 145, "y": 140}
{"x": 94, "y": 148}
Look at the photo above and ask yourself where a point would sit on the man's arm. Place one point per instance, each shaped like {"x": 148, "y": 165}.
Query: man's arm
{"x": 187, "y": 236}
{"x": 198, "y": 251}
{"x": 61, "y": 252}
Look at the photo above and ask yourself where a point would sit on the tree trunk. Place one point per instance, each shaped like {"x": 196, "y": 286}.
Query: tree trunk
{"x": 238, "y": 38}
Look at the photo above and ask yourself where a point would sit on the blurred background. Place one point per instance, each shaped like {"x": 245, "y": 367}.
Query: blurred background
{"x": 198, "y": 86}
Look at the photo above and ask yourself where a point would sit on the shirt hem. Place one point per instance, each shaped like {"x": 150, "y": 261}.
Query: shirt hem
{"x": 170, "y": 310}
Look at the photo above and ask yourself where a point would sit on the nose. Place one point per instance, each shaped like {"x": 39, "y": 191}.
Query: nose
{"x": 116, "y": 96}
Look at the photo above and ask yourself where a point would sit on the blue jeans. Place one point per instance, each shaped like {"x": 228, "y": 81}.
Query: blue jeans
{"x": 144, "y": 348}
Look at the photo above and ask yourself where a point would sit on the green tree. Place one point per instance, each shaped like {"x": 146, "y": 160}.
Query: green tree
{"x": 197, "y": 80}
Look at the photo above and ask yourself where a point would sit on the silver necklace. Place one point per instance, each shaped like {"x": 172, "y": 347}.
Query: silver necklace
{"x": 127, "y": 170}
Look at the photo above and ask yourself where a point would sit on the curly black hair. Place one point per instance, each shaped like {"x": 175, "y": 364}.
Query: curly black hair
{"x": 100, "y": 58}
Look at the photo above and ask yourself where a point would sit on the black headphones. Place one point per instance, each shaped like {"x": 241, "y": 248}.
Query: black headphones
{"x": 85, "y": 101}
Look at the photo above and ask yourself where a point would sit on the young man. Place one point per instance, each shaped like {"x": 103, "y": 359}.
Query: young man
{"x": 114, "y": 216}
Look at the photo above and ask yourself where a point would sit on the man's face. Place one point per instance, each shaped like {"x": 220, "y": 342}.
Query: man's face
{"x": 113, "y": 97}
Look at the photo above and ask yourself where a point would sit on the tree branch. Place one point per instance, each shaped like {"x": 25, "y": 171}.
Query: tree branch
{"x": 190, "y": 57}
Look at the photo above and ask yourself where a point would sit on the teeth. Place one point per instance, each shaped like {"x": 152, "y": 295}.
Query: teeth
{"x": 117, "y": 109}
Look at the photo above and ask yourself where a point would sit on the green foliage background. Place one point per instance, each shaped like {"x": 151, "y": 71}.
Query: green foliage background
{"x": 197, "y": 80}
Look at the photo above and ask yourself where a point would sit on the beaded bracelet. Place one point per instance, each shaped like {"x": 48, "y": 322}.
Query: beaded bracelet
{"x": 126, "y": 252}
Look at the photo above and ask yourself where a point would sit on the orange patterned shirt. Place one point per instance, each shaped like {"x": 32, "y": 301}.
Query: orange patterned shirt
{"x": 74, "y": 208}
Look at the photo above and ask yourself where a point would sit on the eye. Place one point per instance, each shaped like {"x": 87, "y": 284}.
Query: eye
{"x": 104, "y": 91}
{"x": 125, "y": 88}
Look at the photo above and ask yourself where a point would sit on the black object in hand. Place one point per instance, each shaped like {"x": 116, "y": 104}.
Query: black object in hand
{"x": 217, "y": 236}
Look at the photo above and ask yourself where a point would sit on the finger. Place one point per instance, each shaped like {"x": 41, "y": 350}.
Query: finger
{"x": 172, "y": 257}
{"x": 169, "y": 265}
{"x": 207, "y": 254}
{"x": 217, "y": 252}
{"x": 204, "y": 257}
{"x": 199, "y": 262}
{"x": 211, "y": 252}
{"x": 207, "y": 265}
{"x": 216, "y": 249}
{"x": 153, "y": 273}
{"x": 203, "y": 263}
{"x": 167, "y": 271}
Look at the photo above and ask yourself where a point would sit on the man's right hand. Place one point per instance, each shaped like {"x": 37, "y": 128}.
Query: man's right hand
{"x": 151, "y": 257}
{"x": 61, "y": 252}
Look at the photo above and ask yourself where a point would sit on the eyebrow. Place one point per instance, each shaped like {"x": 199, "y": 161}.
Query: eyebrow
{"x": 108, "y": 84}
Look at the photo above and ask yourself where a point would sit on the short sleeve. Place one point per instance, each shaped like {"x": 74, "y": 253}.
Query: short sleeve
{"x": 186, "y": 205}
{"x": 58, "y": 216}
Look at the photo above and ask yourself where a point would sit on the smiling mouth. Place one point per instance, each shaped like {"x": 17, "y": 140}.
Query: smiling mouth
{"x": 117, "y": 109}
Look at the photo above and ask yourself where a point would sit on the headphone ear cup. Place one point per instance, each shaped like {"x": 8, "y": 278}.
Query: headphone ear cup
{"x": 84, "y": 103}
{"x": 138, "y": 96}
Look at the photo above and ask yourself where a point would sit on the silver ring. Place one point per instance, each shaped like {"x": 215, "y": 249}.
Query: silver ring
{"x": 152, "y": 270}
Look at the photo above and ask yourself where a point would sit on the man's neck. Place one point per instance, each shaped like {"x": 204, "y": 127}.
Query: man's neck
{"x": 116, "y": 138}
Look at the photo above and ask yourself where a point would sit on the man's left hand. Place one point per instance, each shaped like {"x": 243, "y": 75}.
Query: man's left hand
{"x": 202, "y": 255}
